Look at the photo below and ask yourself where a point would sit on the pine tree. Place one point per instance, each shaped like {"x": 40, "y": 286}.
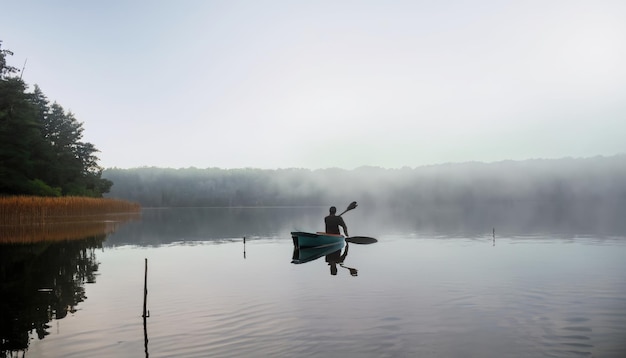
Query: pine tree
{"x": 41, "y": 151}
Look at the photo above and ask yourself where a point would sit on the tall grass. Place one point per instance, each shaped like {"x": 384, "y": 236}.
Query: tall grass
{"x": 27, "y": 219}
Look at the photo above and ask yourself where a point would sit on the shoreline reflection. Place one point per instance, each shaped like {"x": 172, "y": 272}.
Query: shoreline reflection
{"x": 43, "y": 272}
{"x": 65, "y": 228}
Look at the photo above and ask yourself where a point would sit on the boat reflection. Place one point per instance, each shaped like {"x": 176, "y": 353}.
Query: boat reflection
{"x": 308, "y": 254}
{"x": 333, "y": 257}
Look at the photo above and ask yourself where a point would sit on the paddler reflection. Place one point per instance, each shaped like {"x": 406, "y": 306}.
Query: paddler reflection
{"x": 337, "y": 258}
{"x": 333, "y": 254}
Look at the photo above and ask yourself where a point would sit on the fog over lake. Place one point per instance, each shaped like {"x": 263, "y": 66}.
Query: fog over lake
{"x": 569, "y": 195}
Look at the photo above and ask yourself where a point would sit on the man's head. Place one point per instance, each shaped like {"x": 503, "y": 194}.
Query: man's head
{"x": 333, "y": 210}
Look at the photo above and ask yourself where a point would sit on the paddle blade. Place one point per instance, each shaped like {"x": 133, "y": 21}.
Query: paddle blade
{"x": 361, "y": 240}
{"x": 352, "y": 205}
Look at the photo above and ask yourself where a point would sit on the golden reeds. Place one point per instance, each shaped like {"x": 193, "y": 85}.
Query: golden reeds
{"x": 27, "y": 219}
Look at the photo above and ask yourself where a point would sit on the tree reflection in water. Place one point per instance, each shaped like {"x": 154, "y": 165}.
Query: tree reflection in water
{"x": 40, "y": 282}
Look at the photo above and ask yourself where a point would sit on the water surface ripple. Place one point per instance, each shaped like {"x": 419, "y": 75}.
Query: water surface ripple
{"x": 415, "y": 295}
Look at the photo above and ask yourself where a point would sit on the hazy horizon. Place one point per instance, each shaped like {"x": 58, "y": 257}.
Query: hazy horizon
{"x": 329, "y": 84}
{"x": 617, "y": 155}
{"x": 588, "y": 194}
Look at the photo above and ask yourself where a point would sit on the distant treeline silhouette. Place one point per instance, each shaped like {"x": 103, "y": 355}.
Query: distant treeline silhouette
{"x": 557, "y": 181}
{"x": 587, "y": 192}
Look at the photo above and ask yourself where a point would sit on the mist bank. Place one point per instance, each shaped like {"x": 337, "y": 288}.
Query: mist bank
{"x": 584, "y": 193}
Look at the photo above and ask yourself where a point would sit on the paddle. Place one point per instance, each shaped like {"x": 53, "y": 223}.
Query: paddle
{"x": 353, "y": 271}
{"x": 361, "y": 240}
{"x": 352, "y": 205}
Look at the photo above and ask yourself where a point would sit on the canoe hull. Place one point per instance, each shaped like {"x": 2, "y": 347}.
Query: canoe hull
{"x": 320, "y": 239}
{"x": 303, "y": 255}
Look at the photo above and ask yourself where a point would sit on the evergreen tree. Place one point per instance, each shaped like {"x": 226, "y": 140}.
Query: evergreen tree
{"x": 41, "y": 151}
{"x": 5, "y": 70}
{"x": 18, "y": 135}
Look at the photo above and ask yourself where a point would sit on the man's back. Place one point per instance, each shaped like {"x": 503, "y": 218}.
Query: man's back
{"x": 332, "y": 224}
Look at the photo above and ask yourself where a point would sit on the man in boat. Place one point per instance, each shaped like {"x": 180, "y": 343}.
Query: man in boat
{"x": 333, "y": 222}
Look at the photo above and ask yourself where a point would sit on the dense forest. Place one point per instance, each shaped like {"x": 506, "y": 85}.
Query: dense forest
{"x": 557, "y": 181}
{"x": 583, "y": 195}
{"x": 587, "y": 193}
{"x": 41, "y": 152}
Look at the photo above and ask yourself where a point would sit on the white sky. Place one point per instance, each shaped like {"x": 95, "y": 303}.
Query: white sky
{"x": 315, "y": 84}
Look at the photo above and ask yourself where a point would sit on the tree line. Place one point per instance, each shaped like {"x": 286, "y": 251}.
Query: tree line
{"x": 562, "y": 181}
{"x": 584, "y": 193}
{"x": 41, "y": 147}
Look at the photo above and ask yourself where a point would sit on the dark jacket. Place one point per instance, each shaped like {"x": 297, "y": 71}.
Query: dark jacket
{"x": 333, "y": 222}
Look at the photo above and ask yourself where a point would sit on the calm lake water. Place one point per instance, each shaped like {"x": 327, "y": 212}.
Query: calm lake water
{"x": 414, "y": 293}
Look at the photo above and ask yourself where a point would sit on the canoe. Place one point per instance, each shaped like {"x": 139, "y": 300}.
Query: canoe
{"x": 319, "y": 239}
{"x": 302, "y": 255}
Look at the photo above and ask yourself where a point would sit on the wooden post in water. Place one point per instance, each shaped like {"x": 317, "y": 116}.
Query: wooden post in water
{"x": 146, "y": 314}
{"x": 145, "y": 291}
{"x": 244, "y": 247}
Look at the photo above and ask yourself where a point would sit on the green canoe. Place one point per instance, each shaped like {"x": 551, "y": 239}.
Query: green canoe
{"x": 320, "y": 239}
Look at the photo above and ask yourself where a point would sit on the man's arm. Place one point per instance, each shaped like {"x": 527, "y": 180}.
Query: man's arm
{"x": 345, "y": 227}
{"x": 345, "y": 253}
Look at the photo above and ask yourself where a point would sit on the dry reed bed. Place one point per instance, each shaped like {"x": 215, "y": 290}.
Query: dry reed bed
{"x": 33, "y": 210}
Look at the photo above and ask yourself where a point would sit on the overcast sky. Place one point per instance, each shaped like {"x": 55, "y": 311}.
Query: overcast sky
{"x": 316, "y": 84}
